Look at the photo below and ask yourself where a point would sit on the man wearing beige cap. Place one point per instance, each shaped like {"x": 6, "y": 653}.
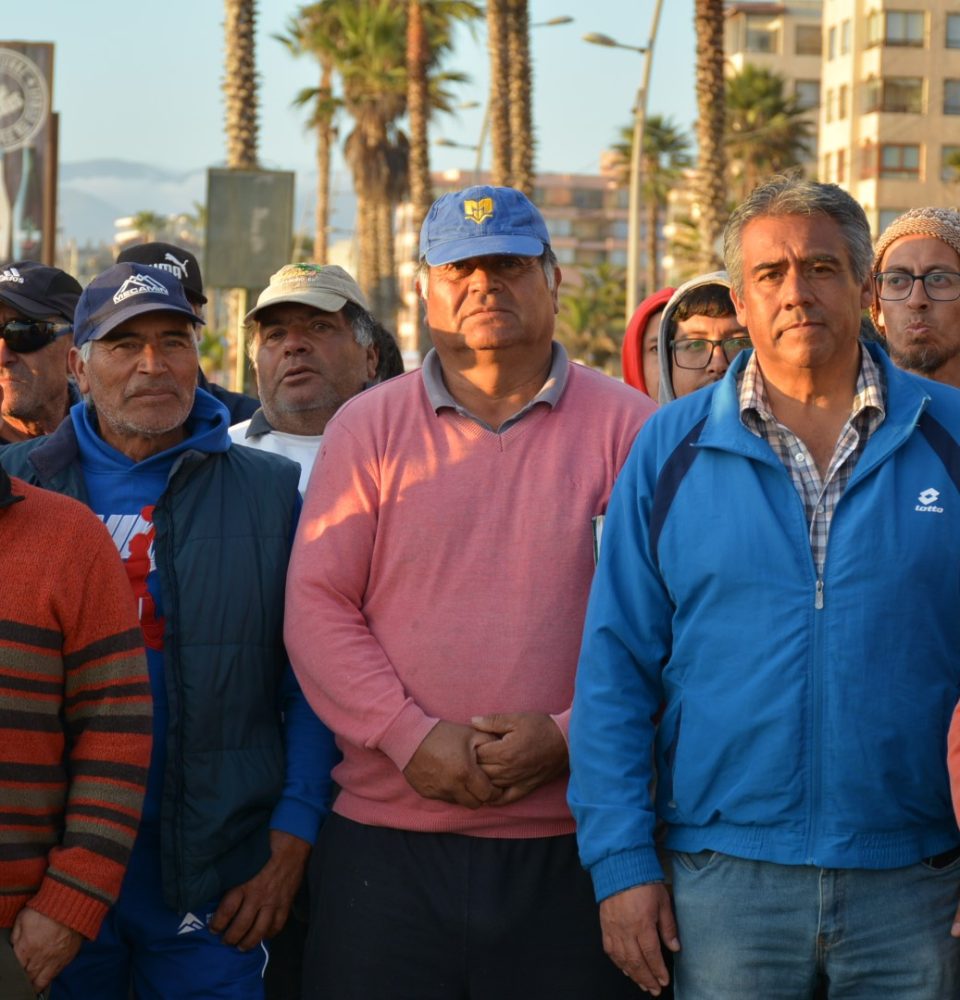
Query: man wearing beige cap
{"x": 916, "y": 299}
{"x": 312, "y": 345}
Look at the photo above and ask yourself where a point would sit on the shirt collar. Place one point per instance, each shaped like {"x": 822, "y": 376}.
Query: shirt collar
{"x": 550, "y": 392}
{"x": 754, "y": 406}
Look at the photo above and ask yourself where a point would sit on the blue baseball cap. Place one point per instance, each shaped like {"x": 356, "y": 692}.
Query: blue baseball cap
{"x": 122, "y": 292}
{"x": 480, "y": 221}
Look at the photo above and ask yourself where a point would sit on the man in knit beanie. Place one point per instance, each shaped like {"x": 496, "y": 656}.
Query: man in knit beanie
{"x": 916, "y": 301}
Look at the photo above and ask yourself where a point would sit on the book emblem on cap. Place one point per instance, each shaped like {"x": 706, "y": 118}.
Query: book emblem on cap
{"x": 478, "y": 210}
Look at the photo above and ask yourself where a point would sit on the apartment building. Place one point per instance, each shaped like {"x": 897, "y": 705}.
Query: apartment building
{"x": 783, "y": 37}
{"x": 890, "y": 116}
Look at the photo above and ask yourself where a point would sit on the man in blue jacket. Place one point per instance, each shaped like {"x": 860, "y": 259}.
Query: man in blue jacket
{"x": 779, "y": 573}
{"x": 239, "y": 773}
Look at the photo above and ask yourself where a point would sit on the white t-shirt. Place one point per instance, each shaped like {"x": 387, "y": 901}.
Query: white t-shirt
{"x": 301, "y": 448}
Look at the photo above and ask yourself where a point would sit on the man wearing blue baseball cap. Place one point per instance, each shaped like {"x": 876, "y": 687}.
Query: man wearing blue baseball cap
{"x": 238, "y": 781}
{"x": 36, "y": 313}
{"x": 434, "y": 604}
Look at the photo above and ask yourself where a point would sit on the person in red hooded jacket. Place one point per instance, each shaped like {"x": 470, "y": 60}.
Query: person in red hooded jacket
{"x": 641, "y": 364}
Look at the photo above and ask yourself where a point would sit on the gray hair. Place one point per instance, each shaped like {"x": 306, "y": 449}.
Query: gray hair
{"x": 548, "y": 261}
{"x": 362, "y": 322}
{"x": 793, "y": 194}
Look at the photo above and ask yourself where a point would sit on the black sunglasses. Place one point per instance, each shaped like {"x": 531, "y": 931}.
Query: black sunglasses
{"x": 27, "y": 335}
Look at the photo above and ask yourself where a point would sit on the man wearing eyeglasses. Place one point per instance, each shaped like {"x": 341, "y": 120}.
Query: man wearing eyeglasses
{"x": 779, "y": 573}
{"x": 36, "y": 313}
{"x": 699, "y": 336}
{"x": 917, "y": 292}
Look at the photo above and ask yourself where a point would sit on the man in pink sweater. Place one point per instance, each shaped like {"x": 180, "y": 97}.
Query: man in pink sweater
{"x": 435, "y": 601}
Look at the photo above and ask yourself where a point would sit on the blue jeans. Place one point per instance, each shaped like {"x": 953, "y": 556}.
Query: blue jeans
{"x": 751, "y": 929}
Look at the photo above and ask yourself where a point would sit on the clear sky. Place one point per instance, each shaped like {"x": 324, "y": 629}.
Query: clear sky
{"x": 142, "y": 81}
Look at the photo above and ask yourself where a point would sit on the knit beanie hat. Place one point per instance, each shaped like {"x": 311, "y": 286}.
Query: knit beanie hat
{"x": 940, "y": 223}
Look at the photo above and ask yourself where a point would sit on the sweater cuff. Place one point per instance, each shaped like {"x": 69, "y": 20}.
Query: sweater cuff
{"x": 618, "y": 872}
{"x": 562, "y": 719}
{"x": 405, "y": 734}
{"x": 70, "y": 907}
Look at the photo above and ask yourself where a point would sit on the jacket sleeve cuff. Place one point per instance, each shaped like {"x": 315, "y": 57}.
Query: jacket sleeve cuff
{"x": 618, "y": 872}
{"x": 298, "y": 819}
{"x": 70, "y": 907}
{"x": 405, "y": 734}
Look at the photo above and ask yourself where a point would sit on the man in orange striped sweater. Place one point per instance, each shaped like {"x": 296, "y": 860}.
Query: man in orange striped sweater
{"x": 75, "y": 723}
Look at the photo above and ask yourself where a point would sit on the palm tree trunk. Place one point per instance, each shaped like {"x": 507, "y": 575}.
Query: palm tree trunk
{"x": 711, "y": 157}
{"x": 499, "y": 99}
{"x": 421, "y": 190}
{"x": 386, "y": 262}
{"x": 240, "y": 84}
{"x": 324, "y": 145}
{"x": 521, "y": 89}
{"x": 241, "y": 126}
{"x": 367, "y": 246}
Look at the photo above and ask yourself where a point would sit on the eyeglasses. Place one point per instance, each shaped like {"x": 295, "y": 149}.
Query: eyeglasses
{"x": 27, "y": 335}
{"x": 940, "y": 286}
{"x": 697, "y": 353}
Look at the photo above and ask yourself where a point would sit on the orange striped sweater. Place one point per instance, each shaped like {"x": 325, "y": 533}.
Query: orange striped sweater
{"x": 75, "y": 711}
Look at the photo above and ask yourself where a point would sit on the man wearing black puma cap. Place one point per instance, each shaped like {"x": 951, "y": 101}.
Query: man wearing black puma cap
{"x": 36, "y": 326}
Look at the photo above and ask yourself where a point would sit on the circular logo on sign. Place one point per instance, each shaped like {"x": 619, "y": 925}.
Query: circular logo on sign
{"x": 23, "y": 99}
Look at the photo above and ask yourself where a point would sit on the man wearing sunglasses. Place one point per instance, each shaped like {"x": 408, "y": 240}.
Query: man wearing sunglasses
{"x": 916, "y": 283}
{"x": 699, "y": 336}
{"x": 36, "y": 313}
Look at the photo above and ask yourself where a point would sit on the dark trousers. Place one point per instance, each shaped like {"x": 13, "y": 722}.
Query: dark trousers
{"x": 420, "y": 916}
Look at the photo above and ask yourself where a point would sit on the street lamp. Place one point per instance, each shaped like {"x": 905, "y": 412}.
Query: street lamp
{"x": 636, "y": 153}
{"x": 552, "y": 22}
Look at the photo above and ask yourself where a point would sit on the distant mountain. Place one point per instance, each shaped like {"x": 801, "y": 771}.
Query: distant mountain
{"x": 94, "y": 193}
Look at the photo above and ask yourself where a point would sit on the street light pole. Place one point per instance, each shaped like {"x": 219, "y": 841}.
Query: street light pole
{"x": 636, "y": 155}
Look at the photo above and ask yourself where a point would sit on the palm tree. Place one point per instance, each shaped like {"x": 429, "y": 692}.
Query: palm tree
{"x": 240, "y": 84}
{"x": 767, "y": 131}
{"x": 313, "y": 30}
{"x": 498, "y": 103}
{"x": 521, "y": 87}
{"x": 151, "y": 226}
{"x": 590, "y": 323}
{"x": 711, "y": 158}
{"x": 666, "y": 154}
{"x": 367, "y": 43}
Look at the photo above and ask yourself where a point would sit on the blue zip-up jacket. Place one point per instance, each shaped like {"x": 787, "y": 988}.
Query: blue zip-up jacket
{"x": 245, "y": 753}
{"x": 805, "y": 720}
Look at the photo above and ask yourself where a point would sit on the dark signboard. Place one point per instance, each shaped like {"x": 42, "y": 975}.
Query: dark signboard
{"x": 249, "y": 226}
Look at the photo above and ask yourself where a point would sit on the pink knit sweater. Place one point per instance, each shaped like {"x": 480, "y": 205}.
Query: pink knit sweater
{"x": 441, "y": 571}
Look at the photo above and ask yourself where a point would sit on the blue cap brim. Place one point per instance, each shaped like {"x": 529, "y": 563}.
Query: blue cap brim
{"x": 484, "y": 246}
{"x": 137, "y": 309}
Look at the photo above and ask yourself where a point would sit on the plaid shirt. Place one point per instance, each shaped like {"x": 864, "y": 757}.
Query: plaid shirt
{"x": 820, "y": 497}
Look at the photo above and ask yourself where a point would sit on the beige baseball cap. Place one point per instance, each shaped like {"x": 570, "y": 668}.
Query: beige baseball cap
{"x": 323, "y": 286}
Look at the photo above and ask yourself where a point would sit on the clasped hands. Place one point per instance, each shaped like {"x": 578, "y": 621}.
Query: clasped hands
{"x": 496, "y": 760}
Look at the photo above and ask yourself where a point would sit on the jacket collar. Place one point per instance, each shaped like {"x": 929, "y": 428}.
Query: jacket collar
{"x": 258, "y": 425}
{"x": 56, "y": 451}
{"x": 906, "y": 400}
